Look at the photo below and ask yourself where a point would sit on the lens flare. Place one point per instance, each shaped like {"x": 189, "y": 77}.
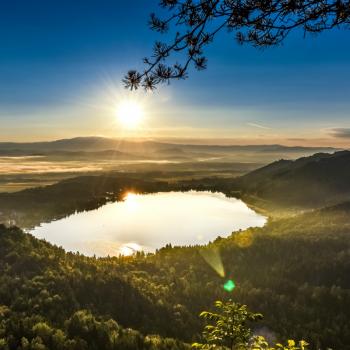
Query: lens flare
{"x": 229, "y": 286}
{"x": 212, "y": 256}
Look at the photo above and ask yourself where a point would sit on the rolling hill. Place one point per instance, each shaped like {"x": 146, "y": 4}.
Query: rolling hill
{"x": 319, "y": 180}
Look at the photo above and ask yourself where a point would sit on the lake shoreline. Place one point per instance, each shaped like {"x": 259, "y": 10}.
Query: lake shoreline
{"x": 187, "y": 218}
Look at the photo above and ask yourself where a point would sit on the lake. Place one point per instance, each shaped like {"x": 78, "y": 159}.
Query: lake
{"x": 150, "y": 221}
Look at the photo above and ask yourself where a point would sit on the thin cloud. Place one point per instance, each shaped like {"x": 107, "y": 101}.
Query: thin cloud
{"x": 340, "y": 132}
{"x": 298, "y": 139}
{"x": 255, "y": 125}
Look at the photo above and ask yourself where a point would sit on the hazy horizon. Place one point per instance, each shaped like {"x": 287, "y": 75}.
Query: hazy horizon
{"x": 322, "y": 143}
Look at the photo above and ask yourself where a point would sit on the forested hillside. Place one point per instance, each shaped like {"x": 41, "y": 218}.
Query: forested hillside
{"x": 318, "y": 180}
{"x": 33, "y": 206}
{"x": 53, "y": 300}
{"x": 295, "y": 271}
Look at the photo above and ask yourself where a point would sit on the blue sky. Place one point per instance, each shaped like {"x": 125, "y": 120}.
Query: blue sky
{"x": 61, "y": 63}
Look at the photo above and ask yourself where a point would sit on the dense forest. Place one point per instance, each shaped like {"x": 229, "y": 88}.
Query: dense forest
{"x": 318, "y": 180}
{"x": 294, "y": 271}
{"x": 53, "y": 300}
{"x": 33, "y": 206}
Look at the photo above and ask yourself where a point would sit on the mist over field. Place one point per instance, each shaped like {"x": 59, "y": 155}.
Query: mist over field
{"x": 24, "y": 165}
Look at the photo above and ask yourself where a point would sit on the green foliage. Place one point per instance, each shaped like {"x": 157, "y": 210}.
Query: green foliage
{"x": 260, "y": 343}
{"x": 228, "y": 329}
{"x": 292, "y": 345}
{"x": 58, "y": 301}
{"x": 82, "y": 331}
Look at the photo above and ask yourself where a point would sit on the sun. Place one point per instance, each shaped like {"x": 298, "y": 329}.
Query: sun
{"x": 129, "y": 114}
{"x": 131, "y": 201}
{"x": 129, "y": 249}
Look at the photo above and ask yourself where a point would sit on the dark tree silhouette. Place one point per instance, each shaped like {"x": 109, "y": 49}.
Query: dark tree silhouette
{"x": 261, "y": 23}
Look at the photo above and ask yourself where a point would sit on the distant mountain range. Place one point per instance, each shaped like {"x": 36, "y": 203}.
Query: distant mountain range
{"x": 102, "y": 144}
{"x": 147, "y": 148}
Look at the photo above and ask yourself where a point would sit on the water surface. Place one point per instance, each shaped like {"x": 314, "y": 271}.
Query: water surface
{"x": 147, "y": 222}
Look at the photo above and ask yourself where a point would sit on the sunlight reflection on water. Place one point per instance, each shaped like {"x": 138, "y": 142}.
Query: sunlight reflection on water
{"x": 147, "y": 222}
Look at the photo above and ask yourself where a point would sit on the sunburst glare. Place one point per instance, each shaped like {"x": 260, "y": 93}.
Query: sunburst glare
{"x": 129, "y": 249}
{"x": 131, "y": 201}
{"x": 130, "y": 114}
